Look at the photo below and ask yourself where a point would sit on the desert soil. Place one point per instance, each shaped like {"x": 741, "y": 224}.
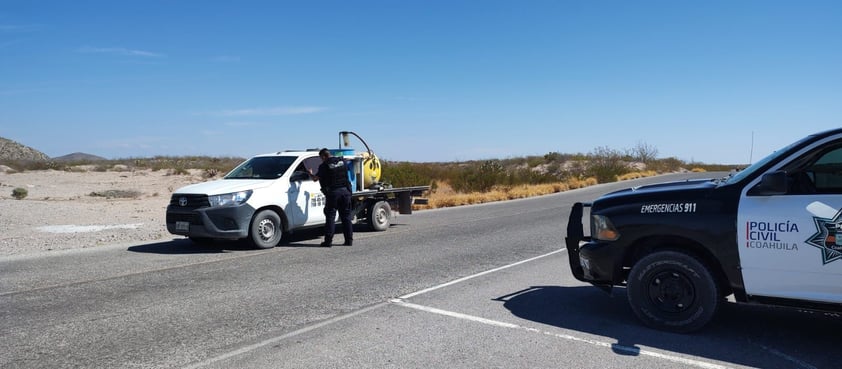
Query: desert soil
{"x": 60, "y": 213}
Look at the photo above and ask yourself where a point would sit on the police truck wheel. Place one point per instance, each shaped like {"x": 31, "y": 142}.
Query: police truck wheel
{"x": 379, "y": 216}
{"x": 672, "y": 291}
{"x": 265, "y": 229}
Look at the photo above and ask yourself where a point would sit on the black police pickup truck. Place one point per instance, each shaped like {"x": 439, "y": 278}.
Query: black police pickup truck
{"x": 769, "y": 234}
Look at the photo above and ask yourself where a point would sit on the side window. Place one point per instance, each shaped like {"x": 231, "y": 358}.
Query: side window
{"x": 817, "y": 172}
{"x": 312, "y": 163}
{"x": 826, "y": 172}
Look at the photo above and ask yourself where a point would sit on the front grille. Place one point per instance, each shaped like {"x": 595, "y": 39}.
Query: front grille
{"x": 192, "y": 201}
{"x": 192, "y": 218}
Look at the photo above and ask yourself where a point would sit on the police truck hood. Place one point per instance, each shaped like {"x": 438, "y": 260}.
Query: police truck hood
{"x": 222, "y": 186}
{"x": 662, "y": 190}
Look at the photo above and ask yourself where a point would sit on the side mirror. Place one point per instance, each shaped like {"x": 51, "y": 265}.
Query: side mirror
{"x": 774, "y": 183}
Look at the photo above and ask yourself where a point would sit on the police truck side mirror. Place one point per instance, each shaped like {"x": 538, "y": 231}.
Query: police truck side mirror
{"x": 774, "y": 183}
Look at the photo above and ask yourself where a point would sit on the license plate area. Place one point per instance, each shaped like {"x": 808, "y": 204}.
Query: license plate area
{"x": 182, "y": 226}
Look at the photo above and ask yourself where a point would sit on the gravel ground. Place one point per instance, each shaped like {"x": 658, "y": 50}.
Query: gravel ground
{"x": 60, "y": 212}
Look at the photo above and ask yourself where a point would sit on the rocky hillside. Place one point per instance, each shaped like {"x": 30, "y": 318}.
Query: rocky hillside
{"x": 11, "y": 150}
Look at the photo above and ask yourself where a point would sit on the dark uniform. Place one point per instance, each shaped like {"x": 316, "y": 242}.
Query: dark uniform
{"x": 333, "y": 178}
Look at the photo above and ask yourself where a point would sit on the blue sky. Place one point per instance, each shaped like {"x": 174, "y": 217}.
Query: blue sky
{"x": 419, "y": 80}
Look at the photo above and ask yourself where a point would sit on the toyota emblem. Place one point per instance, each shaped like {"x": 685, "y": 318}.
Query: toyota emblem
{"x": 182, "y": 201}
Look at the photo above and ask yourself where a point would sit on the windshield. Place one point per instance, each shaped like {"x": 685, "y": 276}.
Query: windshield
{"x": 736, "y": 177}
{"x": 262, "y": 167}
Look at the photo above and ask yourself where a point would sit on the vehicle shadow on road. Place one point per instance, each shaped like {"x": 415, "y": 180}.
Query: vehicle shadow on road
{"x": 756, "y": 336}
{"x": 303, "y": 238}
{"x": 186, "y": 246}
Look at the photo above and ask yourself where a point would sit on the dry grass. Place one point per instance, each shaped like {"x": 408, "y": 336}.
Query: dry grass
{"x": 636, "y": 175}
{"x": 445, "y": 196}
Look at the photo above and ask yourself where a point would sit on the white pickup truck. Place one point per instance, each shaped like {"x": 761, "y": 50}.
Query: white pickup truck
{"x": 272, "y": 195}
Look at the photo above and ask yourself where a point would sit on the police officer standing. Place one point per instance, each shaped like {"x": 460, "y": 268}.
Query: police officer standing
{"x": 333, "y": 178}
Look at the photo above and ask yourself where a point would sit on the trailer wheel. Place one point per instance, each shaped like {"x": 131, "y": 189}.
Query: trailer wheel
{"x": 266, "y": 231}
{"x": 379, "y": 216}
{"x": 672, "y": 291}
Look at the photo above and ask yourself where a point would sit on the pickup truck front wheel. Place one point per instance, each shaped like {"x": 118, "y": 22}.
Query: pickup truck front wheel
{"x": 672, "y": 291}
{"x": 266, "y": 229}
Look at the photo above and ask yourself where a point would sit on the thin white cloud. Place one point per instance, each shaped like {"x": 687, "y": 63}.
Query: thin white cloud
{"x": 276, "y": 111}
{"x": 120, "y": 51}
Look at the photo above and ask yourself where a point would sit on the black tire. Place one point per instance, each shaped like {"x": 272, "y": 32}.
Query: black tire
{"x": 266, "y": 229}
{"x": 380, "y": 216}
{"x": 672, "y": 291}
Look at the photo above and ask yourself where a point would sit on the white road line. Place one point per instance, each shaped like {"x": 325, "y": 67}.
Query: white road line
{"x": 615, "y": 347}
{"x": 277, "y": 339}
{"x": 273, "y": 340}
{"x": 796, "y": 361}
{"x": 460, "y": 280}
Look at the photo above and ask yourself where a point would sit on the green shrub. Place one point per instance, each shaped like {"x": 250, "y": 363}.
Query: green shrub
{"x": 404, "y": 174}
{"x": 19, "y": 193}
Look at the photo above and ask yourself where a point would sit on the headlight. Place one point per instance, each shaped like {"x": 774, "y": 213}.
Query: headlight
{"x": 227, "y": 199}
{"x": 602, "y": 229}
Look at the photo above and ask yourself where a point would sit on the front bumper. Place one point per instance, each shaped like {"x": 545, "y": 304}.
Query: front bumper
{"x": 230, "y": 222}
{"x": 590, "y": 260}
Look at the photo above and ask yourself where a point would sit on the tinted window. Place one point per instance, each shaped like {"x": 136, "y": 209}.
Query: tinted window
{"x": 827, "y": 172}
{"x": 262, "y": 167}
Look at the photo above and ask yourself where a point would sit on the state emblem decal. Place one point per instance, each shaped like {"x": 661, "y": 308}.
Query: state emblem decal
{"x": 828, "y": 236}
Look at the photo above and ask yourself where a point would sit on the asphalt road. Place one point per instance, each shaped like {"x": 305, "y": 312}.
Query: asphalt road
{"x": 471, "y": 287}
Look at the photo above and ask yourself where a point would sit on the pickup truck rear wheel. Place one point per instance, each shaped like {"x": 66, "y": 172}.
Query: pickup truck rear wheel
{"x": 266, "y": 229}
{"x": 379, "y": 216}
{"x": 672, "y": 291}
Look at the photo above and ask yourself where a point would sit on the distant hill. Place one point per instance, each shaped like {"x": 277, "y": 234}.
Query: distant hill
{"x": 79, "y": 157}
{"x": 11, "y": 150}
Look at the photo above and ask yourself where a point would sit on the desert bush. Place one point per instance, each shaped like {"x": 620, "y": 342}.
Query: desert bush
{"x": 210, "y": 173}
{"x": 606, "y": 164}
{"x": 19, "y": 193}
{"x": 480, "y": 178}
{"x": 666, "y": 165}
{"x": 117, "y": 194}
{"x": 403, "y": 174}
{"x": 534, "y": 161}
{"x": 643, "y": 152}
{"x": 24, "y": 165}
{"x": 553, "y": 157}
{"x": 177, "y": 171}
